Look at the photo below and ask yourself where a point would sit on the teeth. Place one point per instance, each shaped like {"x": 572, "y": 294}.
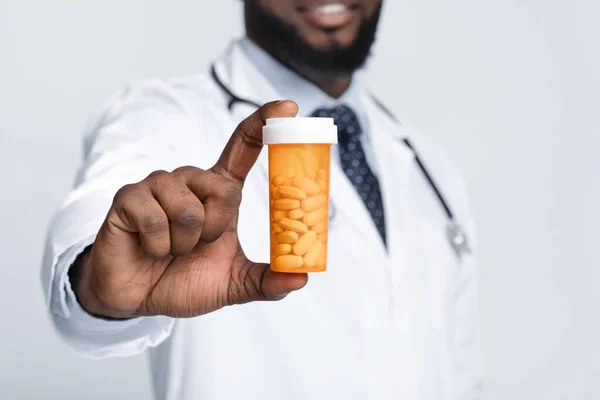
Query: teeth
{"x": 329, "y": 9}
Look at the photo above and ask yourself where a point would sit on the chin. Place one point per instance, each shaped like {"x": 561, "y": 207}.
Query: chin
{"x": 338, "y": 39}
{"x": 312, "y": 50}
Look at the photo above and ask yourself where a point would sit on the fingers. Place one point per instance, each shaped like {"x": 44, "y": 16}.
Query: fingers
{"x": 173, "y": 211}
{"x": 256, "y": 282}
{"x": 244, "y": 146}
{"x": 139, "y": 212}
{"x": 184, "y": 210}
{"x": 220, "y": 197}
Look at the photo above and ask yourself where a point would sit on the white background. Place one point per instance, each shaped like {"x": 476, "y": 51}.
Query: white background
{"x": 510, "y": 89}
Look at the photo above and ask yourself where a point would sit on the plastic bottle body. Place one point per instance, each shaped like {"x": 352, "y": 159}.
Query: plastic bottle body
{"x": 299, "y": 206}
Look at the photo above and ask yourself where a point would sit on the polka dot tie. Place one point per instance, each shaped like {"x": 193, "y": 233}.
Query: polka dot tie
{"x": 354, "y": 162}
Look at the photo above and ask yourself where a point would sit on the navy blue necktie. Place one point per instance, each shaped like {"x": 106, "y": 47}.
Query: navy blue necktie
{"x": 354, "y": 162}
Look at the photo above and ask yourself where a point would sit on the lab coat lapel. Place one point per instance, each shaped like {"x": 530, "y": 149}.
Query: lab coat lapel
{"x": 394, "y": 164}
{"x": 395, "y": 172}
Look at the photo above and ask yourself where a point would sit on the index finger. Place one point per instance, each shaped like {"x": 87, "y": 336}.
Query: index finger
{"x": 244, "y": 146}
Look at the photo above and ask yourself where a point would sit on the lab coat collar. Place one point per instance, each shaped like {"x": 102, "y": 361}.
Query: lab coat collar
{"x": 289, "y": 85}
{"x": 396, "y": 162}
{"x": 242, "y": 77}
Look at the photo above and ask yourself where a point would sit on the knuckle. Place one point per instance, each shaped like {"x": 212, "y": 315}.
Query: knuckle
{"x": 190, "y": 217}
{"x": 210, "y": 238}
{"x": 157, "y": 174}
{"x": 230, "y": 193}
{"x": 154, "y": 223}
{"x": 247, "y": 132}
{"x": 158, "y": 177}
{"x": 123, "y": 193}
{"x": 185, "y": 170}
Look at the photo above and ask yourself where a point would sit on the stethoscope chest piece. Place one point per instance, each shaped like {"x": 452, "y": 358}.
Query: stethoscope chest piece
{"x": 458, "y": 238}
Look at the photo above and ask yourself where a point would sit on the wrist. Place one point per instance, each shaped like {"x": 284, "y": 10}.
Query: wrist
{"x": 80, "y": 276}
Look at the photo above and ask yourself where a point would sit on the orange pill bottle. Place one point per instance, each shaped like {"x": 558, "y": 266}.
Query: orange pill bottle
{"x": 299, "y": 167}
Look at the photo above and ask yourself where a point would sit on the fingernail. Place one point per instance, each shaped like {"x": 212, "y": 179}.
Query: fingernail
{"x": 280, "y": 101}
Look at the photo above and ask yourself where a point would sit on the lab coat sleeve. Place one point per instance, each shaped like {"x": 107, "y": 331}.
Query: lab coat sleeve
{"x": 132, "y": 137}
{"x": 467, "y": 357}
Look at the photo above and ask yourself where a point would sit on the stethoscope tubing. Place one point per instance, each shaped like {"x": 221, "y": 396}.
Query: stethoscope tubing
{"x": 456, "y": 234}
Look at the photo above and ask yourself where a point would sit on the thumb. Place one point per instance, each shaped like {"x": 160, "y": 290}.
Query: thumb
{"x": 245, "y": 144}
{"x": 258, "y": 283}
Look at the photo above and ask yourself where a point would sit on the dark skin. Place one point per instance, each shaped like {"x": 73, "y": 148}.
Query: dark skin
{"x": 293, "y": 12}
{"x": 169, "y": 244}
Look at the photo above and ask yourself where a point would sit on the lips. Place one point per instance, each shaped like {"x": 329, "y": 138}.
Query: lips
{"x": 329, "y": 14}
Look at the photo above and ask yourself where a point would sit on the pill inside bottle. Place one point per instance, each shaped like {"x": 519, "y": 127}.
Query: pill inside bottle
{"x": 299, "y": 166}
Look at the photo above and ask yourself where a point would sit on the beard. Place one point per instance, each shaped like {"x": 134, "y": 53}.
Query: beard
{"x": 285, "y": 44}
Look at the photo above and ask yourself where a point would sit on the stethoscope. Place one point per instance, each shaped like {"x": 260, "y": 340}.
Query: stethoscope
{"x": 456, "y": 234}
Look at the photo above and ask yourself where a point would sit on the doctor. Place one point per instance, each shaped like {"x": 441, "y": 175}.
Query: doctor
{"x": 168, "y": 223}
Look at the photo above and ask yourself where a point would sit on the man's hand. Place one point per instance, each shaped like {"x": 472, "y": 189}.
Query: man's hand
{"x": 169, "y": 245}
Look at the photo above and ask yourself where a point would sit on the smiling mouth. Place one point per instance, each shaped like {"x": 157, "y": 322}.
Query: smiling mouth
{"x": 331, "y": 15}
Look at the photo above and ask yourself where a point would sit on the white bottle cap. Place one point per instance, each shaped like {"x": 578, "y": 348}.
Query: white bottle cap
{"x": 300, "y": 130}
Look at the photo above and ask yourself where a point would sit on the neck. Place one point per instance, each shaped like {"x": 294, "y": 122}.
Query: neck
{"x": 333, "y": 86}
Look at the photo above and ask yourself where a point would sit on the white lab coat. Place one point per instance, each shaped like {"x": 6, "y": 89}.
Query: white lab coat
{"x": 374, "y": 326}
